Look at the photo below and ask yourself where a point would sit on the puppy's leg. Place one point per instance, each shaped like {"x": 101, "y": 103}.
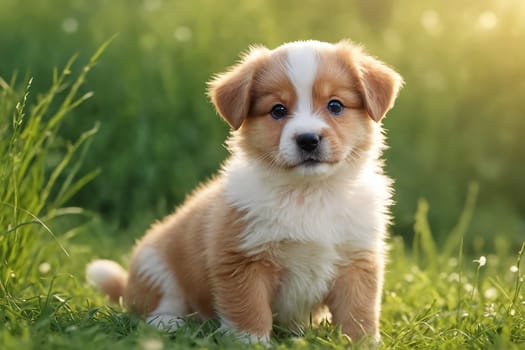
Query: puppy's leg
{"x": 354, "y": 300}
{"x": 170, "y": 312}
{"x": 153, "y": 290}
{"x": 243, "y": 298}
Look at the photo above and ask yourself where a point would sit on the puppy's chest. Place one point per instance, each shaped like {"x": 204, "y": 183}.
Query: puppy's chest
{"x": 309, "y": 270}
{"x": 319, "y": 219}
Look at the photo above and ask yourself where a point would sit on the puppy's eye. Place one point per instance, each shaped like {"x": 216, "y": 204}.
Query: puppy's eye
{"x": 278, "y": 111}
{"x": 335, "y": 107}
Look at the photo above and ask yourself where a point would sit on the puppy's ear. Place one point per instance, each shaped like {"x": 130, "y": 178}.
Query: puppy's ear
{"x": 378, "y": 83}
{"x": 230, "y": 91}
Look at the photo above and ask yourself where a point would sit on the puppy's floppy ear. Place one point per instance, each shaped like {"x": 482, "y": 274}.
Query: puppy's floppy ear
{"x": 378, "y": 83}
{"x": 230, "y": 91}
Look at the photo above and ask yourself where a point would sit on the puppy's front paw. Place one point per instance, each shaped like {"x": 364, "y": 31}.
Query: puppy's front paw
{"x": 244, "y": 336}
{"x": 166, "y": 322}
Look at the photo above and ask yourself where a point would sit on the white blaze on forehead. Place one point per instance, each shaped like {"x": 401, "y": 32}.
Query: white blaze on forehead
{"x": 302, "y": 61}
{"x": 301, "y": 68}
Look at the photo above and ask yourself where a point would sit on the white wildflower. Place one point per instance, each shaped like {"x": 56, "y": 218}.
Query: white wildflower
{"x": 482, "y": 261}
{"x": 491, "y": 293}
{"x": 44, "y": 268}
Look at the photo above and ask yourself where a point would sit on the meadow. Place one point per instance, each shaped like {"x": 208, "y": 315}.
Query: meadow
{"x": 105, "y": 127}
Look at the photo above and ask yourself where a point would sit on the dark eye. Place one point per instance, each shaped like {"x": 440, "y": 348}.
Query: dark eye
{"x": 335, "y": 107}
{"x": 279, "y": 111}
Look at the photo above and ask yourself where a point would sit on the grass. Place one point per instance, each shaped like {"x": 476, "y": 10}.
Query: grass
{"x": 435, "y": 297}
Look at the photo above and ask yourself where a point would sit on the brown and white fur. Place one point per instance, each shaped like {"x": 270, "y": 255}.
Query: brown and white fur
{"x": 282, "y": 230}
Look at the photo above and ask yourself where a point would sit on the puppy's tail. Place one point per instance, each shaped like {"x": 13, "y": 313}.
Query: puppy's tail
{"x": 109, "y": 277}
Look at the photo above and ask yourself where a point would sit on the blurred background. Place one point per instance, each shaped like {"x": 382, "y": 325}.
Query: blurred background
{"x": 460, "y": 119}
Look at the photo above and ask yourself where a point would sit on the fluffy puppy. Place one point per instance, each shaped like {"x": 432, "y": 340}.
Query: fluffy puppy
{"x": 297, "y": 216}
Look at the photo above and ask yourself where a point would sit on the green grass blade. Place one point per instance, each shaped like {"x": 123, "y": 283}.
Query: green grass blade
{"x": 464, "y": 220}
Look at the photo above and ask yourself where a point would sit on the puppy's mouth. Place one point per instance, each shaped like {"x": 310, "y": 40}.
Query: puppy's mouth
{"x": 310, "y": 162}
{"x": 313, "y": 167}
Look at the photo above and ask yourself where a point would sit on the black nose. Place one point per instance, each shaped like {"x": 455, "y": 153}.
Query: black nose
{"x": 308, "y": 141}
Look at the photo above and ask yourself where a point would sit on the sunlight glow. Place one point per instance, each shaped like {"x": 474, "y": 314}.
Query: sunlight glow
{"x": 152, "y": 5}
{"x": 487, "y": 20}
{"x": 431, "y": 22}
{"x": 183, "y": 34}
{"x": 70, "y": 25}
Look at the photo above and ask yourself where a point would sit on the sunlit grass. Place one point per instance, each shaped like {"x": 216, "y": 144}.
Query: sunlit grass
{"x": 470, "y": 304}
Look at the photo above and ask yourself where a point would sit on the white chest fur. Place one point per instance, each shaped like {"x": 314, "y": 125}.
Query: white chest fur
{"x": 309, "y": 272}
{"x": 328, "y": 211}
{"x": 303, "y": 225}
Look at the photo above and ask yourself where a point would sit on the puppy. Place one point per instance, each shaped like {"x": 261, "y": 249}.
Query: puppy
{"x": 297, "y": 216}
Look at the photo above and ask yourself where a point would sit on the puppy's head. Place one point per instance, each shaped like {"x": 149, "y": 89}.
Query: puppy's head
{"x": 308, "y": 107}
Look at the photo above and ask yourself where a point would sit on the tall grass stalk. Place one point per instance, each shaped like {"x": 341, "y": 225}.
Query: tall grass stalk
{"x": 33, "y": 188}
{"x": 518, "y": 280}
